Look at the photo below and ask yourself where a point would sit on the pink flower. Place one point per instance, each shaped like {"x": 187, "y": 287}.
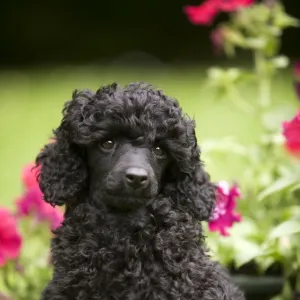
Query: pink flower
{"x": 224, "y": 215}
{"x": 10, "y": 239}
{"x": 232, "y": 5}
{"x": 52, "y": 214}
{"x": 291, "y": 132}
{"x": 203, "y": 14}
{"x": 32, "y": 204}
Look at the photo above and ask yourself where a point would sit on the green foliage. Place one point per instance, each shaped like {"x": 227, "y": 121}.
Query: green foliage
{"x": 270, "y": 230}
{"x": 257, "y": 28}
{"x": 25, "y": 279}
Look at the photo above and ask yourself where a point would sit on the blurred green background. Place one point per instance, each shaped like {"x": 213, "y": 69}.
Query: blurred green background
{"x": 50, "y": 48}
{"x": 31, "y": 101}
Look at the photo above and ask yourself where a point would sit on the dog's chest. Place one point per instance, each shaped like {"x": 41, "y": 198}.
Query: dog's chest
{"x": 143, "y": 265}
{"x": 135, "y": 271}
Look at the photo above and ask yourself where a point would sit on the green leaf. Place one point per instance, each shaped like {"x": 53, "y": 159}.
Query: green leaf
{"x": 264, "y": 262}
{"x": 215, "y": 73}
{"x": 291, "y": 212}
{"x": 256, "y": 43}
{"x": 245, "y": 251}
{"x": 278, "y": 186}
{"x": 229, "y": 49}
{"x": 233, "y": 74}
{"x": 276, "y": 116}
{"x": 286, "y": 228}
{"x": 225, "y": 145}
{"x": 272, "y": 46}
{"x": 223, "y": 77}
{"x": 283, "y": 21}
{"x": 296, "y": 191}
{"x": 280, "y": 62}
{"x": 234, "y": 37}
{"x": 245, "y": 229}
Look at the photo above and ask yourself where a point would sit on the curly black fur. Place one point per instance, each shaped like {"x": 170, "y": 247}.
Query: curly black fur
{"x": 154, "y": 252}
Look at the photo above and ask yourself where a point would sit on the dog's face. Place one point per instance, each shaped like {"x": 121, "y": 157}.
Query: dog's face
{"x": 122, "y": 147}
{"x": 124, "y": 174}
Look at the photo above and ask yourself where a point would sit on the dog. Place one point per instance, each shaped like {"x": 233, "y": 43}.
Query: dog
{"x": 126, "y": 165}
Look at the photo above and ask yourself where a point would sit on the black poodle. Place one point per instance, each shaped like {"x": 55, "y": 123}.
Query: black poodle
{"x": 125, "y": 162}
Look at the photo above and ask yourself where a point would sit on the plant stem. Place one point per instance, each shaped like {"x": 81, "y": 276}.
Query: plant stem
{"x": 6, "y": 279}
{"x": 264, "y": 80}
{"x": 239, "y": 101}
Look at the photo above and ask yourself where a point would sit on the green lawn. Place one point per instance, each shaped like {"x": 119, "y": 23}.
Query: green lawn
{"x": 31, "y": 103}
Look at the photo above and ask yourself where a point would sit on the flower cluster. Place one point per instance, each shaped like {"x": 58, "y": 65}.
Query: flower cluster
{"x": 257, "y": 27}
{"x": 10, "y": 238}
{"x": 224, "y": 215}
{"x": 291, "y": 132}
{"x": 31, "y": 202}
{"x": 205, "y": 13}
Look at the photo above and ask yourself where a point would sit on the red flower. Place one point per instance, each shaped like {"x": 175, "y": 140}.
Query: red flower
{"x": 232, "y": 5}
{"x": 291, "y": 131}
{"x": 32, "y": 203}
{"x": 203, "y": 14}
{"x": 10, "y": 239}
{"x": 224, "y": 215}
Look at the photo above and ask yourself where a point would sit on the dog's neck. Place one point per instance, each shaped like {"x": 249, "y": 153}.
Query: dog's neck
{"x": 158, "y": 215}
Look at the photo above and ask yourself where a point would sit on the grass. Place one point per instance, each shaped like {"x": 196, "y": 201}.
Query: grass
{"x": 31, "y": 103}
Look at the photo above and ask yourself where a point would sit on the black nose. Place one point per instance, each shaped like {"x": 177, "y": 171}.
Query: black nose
{"x": 136, "y": 177}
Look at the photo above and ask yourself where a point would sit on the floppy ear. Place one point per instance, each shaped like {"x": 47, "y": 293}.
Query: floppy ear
{"x": 194, "y": 192}
{"x": 198, "y": 193}
{"x": 63, "y": 172}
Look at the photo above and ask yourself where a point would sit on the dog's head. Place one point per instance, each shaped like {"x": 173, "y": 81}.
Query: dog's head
{"x": 123, "y": 147}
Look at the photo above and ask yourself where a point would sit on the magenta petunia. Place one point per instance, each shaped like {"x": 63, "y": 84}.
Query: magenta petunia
{"x": 31, "y": 203}
{"x": 10, "y": 238}
{"x": 225, "y": 215}
{"x": 232, "y": 5}
{"x": 206, "y": 12}
{"x": 203, "y": 14}
{"x": 291, "y": 132}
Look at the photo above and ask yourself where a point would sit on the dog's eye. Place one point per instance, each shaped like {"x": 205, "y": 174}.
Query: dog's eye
{"x": 159, "y": 151}
{"x": 108, "y": 145}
